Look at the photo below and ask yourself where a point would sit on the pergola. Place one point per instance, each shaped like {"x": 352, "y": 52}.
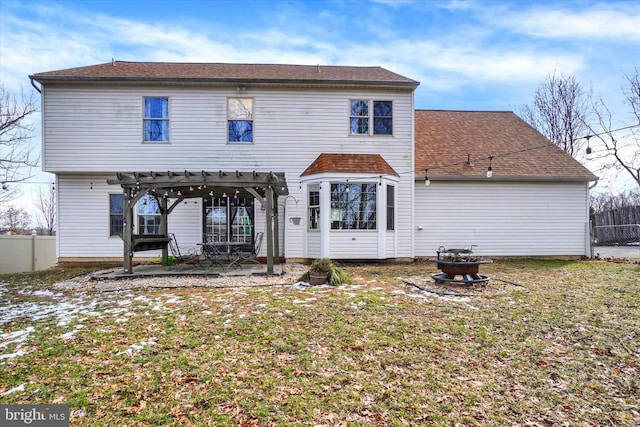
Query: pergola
{"x": 172, "y": 188}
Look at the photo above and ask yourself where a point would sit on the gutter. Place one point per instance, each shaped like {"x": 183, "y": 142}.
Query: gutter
{"x": 507, "y": 178}
{"x": 227, "y": 81}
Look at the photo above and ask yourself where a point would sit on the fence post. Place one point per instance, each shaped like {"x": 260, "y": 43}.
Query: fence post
{"x": 33, "y": 252}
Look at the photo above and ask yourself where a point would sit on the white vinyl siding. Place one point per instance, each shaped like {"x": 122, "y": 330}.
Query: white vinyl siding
{"x": 502, "y": 219}
{"x": 83, "y": 220}
{"x": 95, "y": 130}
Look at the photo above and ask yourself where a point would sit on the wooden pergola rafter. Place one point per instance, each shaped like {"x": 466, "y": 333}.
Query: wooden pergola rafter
{"x": 177, "y": 186}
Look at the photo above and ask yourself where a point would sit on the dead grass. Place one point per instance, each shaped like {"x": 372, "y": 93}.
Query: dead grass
{"x": 544, "y": 343}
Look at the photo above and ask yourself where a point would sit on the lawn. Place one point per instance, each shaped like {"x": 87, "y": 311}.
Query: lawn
{"x": 546, "y": 342}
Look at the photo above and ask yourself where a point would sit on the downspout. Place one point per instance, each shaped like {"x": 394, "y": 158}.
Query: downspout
{"x": 34, "y": 86}
{"x": 590, "y": 229}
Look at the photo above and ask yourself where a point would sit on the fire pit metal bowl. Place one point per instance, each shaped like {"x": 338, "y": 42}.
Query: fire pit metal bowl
{"x": 459, "y": 266}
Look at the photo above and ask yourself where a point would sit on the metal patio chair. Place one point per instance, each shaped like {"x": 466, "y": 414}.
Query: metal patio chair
{"x": 246, "y": 257}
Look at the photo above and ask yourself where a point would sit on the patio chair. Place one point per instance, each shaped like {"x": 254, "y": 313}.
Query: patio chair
{"x": 213, "y": 255}
{"x": 246, "y": 257}
{"x": 175, "y": 251}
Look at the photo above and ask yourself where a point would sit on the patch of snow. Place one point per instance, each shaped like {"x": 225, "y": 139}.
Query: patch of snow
{"x": 72, "y": 333}
{"x": 15, "y": 337}
{"x": 45, "y": 293}
{"x": 303, "y": 301}
{"x": 12, "y": 355}
{"x": 13, "y": 390}
{"x": 137, "y": 347}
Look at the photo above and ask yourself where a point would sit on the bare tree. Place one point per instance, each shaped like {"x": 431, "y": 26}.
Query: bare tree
{"x": 15, "y": 219}
{"x": 602, "y": 202}
{"x": 559, "y": 111}
{"x": 16, "y": 131}
{"x": 46, "y": 210}
{"x": 620, "y": 152}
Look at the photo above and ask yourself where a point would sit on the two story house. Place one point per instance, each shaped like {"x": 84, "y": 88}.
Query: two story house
{"x": 339, "y": 138}
{"x": 324, "y": 160}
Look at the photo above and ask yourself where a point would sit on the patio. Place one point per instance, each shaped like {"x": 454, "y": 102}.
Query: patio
{"x": 188, "y": 269}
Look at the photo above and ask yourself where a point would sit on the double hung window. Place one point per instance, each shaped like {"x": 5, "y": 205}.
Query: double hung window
{"x": 149, "y": 217}
{"x": 240, "y": 119}
{"x": 156, "y": 119}
{"x": 367, "y": 117}
{"x": 391, "y": 203}
{"x": 116, "y": 214}
{"x": 314, "y": 207}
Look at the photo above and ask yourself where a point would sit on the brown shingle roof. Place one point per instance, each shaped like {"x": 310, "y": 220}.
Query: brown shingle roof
{"x": 234, "y": 73}
{"x": 350, "y": 163}
{"x": 445, "y": 139}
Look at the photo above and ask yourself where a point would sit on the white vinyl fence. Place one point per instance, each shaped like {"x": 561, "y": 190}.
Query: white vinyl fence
{"x": 26, "y": 253}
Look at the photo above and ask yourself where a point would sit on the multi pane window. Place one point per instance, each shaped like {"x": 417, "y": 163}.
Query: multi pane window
{"x": 240, "y": 119}
{"x": 353, "y": 206}
{"x": 156, "y": 119}
{"x": 391, "y": 203}
{"x": 149, "y": 217}
{"x": 229, "y": 219}
{"x": 314, "y": 207}
{"x": 116, "y": 214}
{"x": 364, "y": 120}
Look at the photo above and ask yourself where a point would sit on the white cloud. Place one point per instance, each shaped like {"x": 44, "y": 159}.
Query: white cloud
{"x": 606, "y": 21}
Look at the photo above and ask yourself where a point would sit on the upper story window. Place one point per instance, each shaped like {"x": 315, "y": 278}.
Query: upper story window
{"x": 240, "y": 119}
{"x": 156, "y": 119}
{"x": 116, "y": 214}
{"x": 364, "y": 120}
{"x": 353, "y": 206}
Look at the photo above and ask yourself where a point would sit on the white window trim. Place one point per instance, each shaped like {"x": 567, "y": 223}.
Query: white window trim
{"x": 370, "y": 117}
{"x": 168, "y": 119}
{"x": 253, "y": 121}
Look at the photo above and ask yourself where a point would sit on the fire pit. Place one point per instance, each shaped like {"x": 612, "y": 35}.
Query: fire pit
{"x": 459, "y": 262}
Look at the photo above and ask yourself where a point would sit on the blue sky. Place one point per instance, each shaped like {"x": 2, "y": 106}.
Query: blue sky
{"x": 467, "y": 54}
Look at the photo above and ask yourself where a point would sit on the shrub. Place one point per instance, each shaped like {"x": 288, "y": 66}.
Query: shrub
{"x": 326, "y": 269}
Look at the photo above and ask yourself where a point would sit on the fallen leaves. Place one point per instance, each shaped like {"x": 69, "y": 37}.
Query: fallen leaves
{"x": 563, "y": 352}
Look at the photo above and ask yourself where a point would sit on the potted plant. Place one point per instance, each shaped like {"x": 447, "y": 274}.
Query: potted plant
{"x": 323, "y": 271}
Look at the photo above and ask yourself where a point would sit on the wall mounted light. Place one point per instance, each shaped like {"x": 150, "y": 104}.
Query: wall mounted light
{"x": 426, "y": 177}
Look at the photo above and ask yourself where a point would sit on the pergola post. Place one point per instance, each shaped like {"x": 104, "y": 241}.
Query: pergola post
{"x": 269, "y": 225}
{"x": 164, "y": 228}
{"x": 276, "y": 229}
{"x": 127, "y": 237}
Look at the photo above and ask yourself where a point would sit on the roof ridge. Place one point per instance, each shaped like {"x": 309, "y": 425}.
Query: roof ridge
{"x": 463, "y": 111}
{"x": 267, "y": 64}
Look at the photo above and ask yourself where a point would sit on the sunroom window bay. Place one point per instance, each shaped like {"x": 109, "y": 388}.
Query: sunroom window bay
{"x": 353, "y": 206}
